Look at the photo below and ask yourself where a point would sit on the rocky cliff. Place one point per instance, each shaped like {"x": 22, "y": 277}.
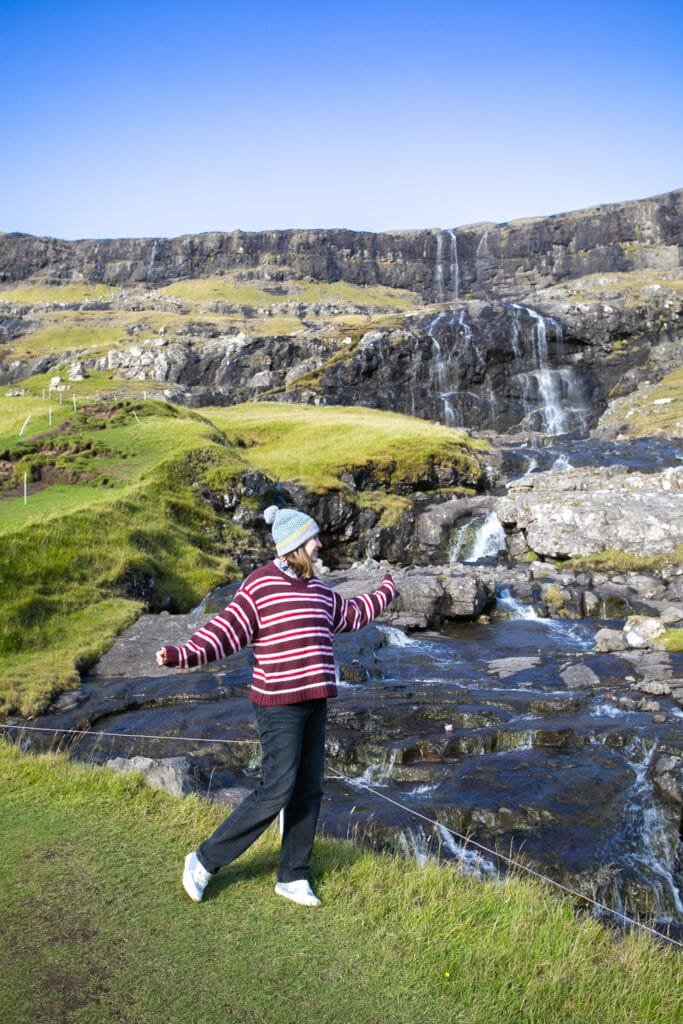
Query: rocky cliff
{"x": 480, "y": 260}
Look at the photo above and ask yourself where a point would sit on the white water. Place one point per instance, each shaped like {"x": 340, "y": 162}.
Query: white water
{"x": 471, "y": 862}
{"x": 455, "y": 268}
{"x": 438, "y": 269}
{"x": 654, "y": 852}
{"x": 396, "y": 636}
{"x": 516, "y": 608}
{"x": 481, "y": 537}
{"x": 415, "y": 845}
{"x": 554, "y": 397}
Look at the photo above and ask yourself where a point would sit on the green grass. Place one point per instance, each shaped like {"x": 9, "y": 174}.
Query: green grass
{"x": 97, "y": 930}
{"x": 615, "y": 561}
{"x": 112, "y": 517}
{"x": 121, "y": 519}
{"x": 314, "y": 446}
{"x": 653, "y": 410}
{"x": 44, "y": 505}
{"x": 238, "y": 293}
{"x": 56, "y": 293}
{"x": 673, "y": 640}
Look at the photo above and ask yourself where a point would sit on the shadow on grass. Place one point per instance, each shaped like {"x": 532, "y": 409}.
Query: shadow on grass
{"x": 328, "y": 858}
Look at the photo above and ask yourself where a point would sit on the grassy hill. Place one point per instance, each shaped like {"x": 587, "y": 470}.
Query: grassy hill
{"x": 117, "y": 516}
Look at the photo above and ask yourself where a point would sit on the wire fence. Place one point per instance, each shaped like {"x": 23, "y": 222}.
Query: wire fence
{"x": 355, "y": 784}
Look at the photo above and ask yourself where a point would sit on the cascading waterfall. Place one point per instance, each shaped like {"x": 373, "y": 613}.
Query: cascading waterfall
{"x": 553, "y": 398}
{"x": 447, "y": 370}
{"x": 453, "y": 269}
{"x": 655, "y": 852}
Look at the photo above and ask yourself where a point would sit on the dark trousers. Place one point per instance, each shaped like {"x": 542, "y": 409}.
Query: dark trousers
{"x": 293, "y": 759}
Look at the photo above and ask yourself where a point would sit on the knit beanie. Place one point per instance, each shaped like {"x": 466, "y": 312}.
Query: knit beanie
{"x": 291, "y": 528}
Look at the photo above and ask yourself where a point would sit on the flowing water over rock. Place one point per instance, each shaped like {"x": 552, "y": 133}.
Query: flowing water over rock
{"x": 508, "y": 732}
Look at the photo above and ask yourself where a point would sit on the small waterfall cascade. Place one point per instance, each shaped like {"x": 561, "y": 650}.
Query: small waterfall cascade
{"x": 656, "y": 850}
{"x": 471, "y": 861}
{"x": 482, "y": 537}
{"x": 553, "y": 398}
{"x": 515, "y": 608}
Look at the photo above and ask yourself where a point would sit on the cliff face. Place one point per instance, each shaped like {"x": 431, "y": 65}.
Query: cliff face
{"x": 483, "y": 260}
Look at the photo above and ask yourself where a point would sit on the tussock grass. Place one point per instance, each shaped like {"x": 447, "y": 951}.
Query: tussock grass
{"x": 314, "y": 446}
{"x": 673, "y": 640}
{"x": 96, "y": 928}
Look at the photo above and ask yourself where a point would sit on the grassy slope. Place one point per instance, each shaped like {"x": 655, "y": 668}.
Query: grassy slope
{"x": 120, "y": 510}
{"x": 96, "y": 928}
{"x": 655, "y": 410}
{"x": 315, "y": 445}
{"x": 72, "y": 554}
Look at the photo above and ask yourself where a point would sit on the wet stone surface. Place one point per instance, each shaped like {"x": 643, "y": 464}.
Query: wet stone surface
{"x": 514, "y": 733}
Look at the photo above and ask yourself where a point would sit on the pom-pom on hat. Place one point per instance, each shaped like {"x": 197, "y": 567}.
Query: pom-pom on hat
{"x": 291, "y": 528}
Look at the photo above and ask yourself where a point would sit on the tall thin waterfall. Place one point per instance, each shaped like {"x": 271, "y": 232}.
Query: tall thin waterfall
{"x": 455, "y": 267}
{"x": 438, "y": 269}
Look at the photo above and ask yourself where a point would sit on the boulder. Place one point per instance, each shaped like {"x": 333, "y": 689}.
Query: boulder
{"x": 668, "y": 778}
{"x": 607, "y": 640}
{"x": 172, "y": 774}
{"x": 641, "y": 630}
{"x": 585, "y": 511}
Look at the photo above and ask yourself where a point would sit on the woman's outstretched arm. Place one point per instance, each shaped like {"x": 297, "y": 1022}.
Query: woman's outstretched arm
{"x": 225, "y": 634}
{"x": 354, "y": 613}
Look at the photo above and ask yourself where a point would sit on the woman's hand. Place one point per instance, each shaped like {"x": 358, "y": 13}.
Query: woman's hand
{"x": 161, "y": 656}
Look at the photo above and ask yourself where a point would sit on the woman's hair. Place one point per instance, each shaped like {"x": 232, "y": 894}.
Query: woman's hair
{"x": 301, "y": 563}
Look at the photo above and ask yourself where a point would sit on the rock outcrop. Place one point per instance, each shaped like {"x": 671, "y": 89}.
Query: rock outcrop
{"x": 585, "y": 511}
{"x": 481, "y": 259}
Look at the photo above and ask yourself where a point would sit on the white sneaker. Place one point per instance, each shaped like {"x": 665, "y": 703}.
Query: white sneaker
{"x": 195, "y": 877}
{"x": 298, "y": 892}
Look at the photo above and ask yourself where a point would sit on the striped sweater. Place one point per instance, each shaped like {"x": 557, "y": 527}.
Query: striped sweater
{"x": 290, "y": 623}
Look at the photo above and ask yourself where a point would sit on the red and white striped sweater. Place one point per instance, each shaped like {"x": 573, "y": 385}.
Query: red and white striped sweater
{"x": 290, "y": 623}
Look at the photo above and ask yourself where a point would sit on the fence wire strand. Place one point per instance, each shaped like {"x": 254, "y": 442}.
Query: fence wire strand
{"x": 355, "y": 784}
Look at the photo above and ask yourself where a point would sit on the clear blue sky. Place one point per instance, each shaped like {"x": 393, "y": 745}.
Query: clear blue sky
{"x": 163, "y": 118}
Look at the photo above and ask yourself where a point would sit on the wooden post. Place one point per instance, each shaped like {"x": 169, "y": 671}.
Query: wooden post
{"x": 25, "y": 424}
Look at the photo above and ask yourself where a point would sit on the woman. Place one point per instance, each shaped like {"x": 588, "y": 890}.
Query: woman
{"x": 289, "y": 616}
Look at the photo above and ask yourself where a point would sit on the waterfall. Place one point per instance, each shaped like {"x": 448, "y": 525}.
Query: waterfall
{"x": 438, "y": 269}
{"x": 150, "y": 265}
{"x": 553, "y": 398}
{"x": 471, "y": 860}
{"x": 516, "y": 609}
{"x": 482, "y": 537}
{"x": 465, "y": 360}
{"x": 442, "y": 372}
{"x": 654, "y": 845}
{"x": 455, "y": 267}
